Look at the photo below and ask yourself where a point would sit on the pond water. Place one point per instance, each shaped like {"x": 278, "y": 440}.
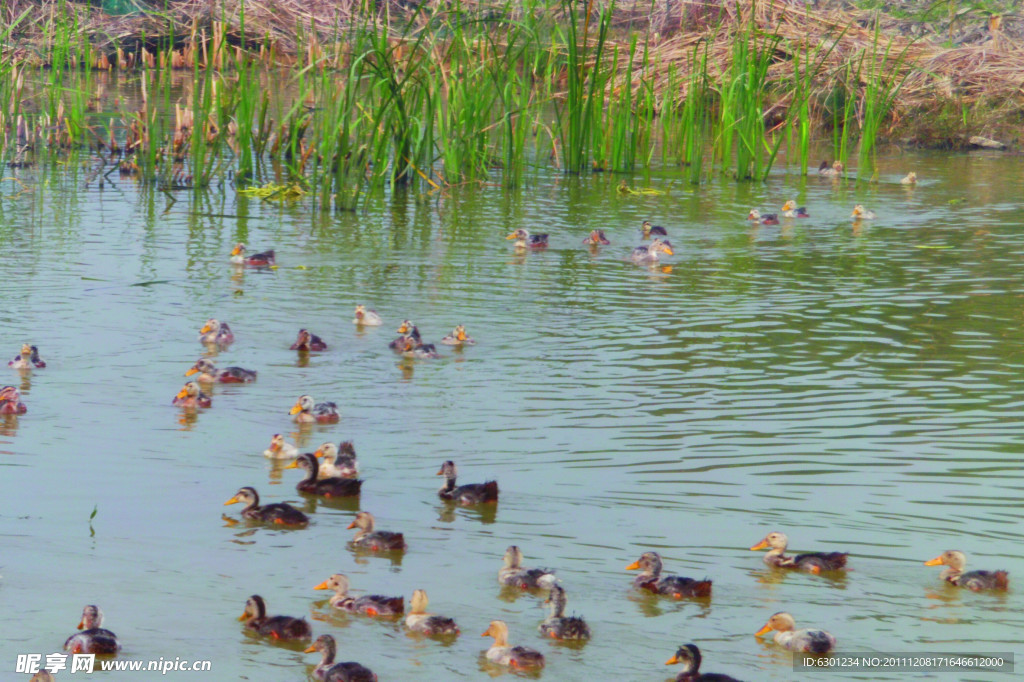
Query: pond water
{"x": 857, "y": 386}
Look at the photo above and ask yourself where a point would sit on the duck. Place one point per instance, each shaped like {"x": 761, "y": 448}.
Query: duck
{"x": 191, "y": 395}
{"x": 406, "y": 331}
{"x": 955, "y": 561}
{"x": 419, "y": 620}
{"x": 42, "y": 676}
{"x": 208, "y": 373}
{"x": 92, "y": 639}
{"x": 327, "y": 487}
{"x": 909, "y": 179}
{"x": 370, "y": 605}
{"x": 415, "y": 348}
{"x": 366, "y": 318}
{"x": 557, "y": 625}
{"x": 652, "y": 230}
{"x": 788, "y": 637}
{"x": 339, "y": 460}
{"x": 307, "y": 341}
{"x": 596, "y": 238}
{"x": 458, "y": 337}
{"x": 27, "y": 359}
{"x": 306, "y": 411}
{"x": 513, "y": 656}
{"x": 763, "y": 218}
{"x": 279, "y": 512}
{"x": 649, "y": 253}
{"x": 10, "y": 401}
{"x": 374, "y": 540}
{"x": 835, "y": 170}
{"x": 276, "y": 627}
{"x": 650, "y": 579}
{"x": 280, "y": 448}
{"x": 258, "y": 260}
{"x": 526, "y": 240}
{"x": 470, "y": 493}
{"x": 814, "y": 562}
{"x": 689, "y": 656}
{"x": 791, "y": 210}
{"x": 329, "y": 671}
{"x": 514, "y": 575}
{"x": 215, "y": 332}
{"x": 861, "y": 213}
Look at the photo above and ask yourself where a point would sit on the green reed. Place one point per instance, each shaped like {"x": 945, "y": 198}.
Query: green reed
{"x": 880, "y": 93}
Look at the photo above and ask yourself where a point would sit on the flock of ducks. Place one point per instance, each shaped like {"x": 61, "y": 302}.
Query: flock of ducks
{"x": 337, "y": 476}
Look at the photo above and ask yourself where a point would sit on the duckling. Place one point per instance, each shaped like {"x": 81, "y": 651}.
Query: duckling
{"x": 650, "y": 579}
{"x": 215, "y": 332}
{"x": 339, "y": 460}
{"x": 258, "y": 260}
{"x": 689, "y": 656}
{"x": 791, "y": 210}
{"x": 43, "y": 676}
{"x": 557, "y": 625}
{"x": 279, "y": 512}
{"x": 306, "y": 411}
{"x": 190, "y": 395}
{"x": 596, "y": 238}
{"x": 526, "y": 240}
{"x": 406, "y": 331}
{"x": 470, "y": 493}
{"x": 909, "y": 179}
{"x": 514, "y": 575}
{"x": 366, "y": 318}
{"x": 788, "y": 637}
{"x": 277, "y": 627}
{"x": 458, "y": 337}
{"x": 10, "y": 401}
{"x": 652, "y": 230}
{"x": 861, "y": 213}
{"x": 328, "y": 487}
{"x": 815, "y": 562}
{"x": 280, "y": 448}
{"x": 955, "y": 561}
{"x": 834, "y": 171}
{"x": 92, "y": 639}
{"x": 512, "y": 656}
{"x": 27, "y": 359}
{"x": 374, "y": 540}
{"x": 208, "y": 373}
{"x": 329, "y": 671}
{"x": 371, "y": 605}
{"x": 417, "y": 349}
{"x": 763, "y": 218}
{"x": 419, "y": 620}
{"x": 308, "y": 341}
{"x": 649, "y": 253}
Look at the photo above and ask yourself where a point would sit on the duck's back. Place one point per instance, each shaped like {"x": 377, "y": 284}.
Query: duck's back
{"x": 985, "y": 580}
{"x": 93, "y": 641}
{"x": 285, "y": 627}
{"x": 349, "y": 671}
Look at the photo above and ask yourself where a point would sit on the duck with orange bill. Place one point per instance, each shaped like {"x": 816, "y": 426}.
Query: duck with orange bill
{"x": 284, "y": 628}
{"x": 525, "y": 240}
{"x": 367, "y": 537}
{"x": 651, "y": 579}
{"x": 787, "y": 636}
{"x": 791, "y": 210}
{"x": 861, "y": 213}
{"x": 419, "y": 620}
{"x": 596, "y": 238}
{"x": 325, "y": 487}
{"x": 209, "y": 373}
{"x": 366, "y": 318}
{"x": 763, "y": 218}
{"x": 10, "y": 401}
{"x": 27, "y": 359}
{"x": 256, "y": 260}
{"x": 813, "y": 562}
{"x": 955, "y": 561}
{"x": 308, "y": 341}
{"x": 216, "y": 333}
{"x": 406, "y": 331}
{"x": 278, "y": 513}
{"x": 192, "y": 396}
{"x": 458, "y": 337}
{"x": 93, "y": 639}
{"x": 339, "y": 461}
{"x": 306, "y": 411}
{"x": 519, "y": 657}
{"x": 329, "y": 671}
{"x": 650, "y": 252}
{"x": 370, "y": 605}
{"x": 469, "y": 493}
{"x": 689, "y": 656}
{"x": 280, "y": 448}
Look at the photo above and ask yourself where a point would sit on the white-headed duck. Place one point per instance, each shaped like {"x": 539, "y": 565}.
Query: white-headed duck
{"x": 367, "y": 537}
{"x": 814, "y": 562}
{"x": 208, "y": 373}
{"x": 93, "y": 639}
{"x": 306, "y": 411}
{"x": 215, "y": 332}
{"x": 257, "y": 260}
{"x": 520, "y": 657}
{"x": 788, "y": 637}
{"x": 370, "y": 605}
{"x": 652, "y": 580}
{"x": 955, "y": 561}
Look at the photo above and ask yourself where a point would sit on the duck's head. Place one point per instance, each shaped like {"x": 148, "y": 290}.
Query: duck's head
{"x": 780, "y": 622}
{"x": 418, "y": 603}
{"x": 953, "y": 558}
{"x": 754, "y": 214}
{"x": 665, "y": 246}
{"x": 498, "y": 629}
{"x": 360, "y": 312}
{"x": 406, "y": 327}
{"x": 26, "y": 350}
{"x": 276, "y": 442}
{"x": 790, "y": 205}
{"x": 363, "y": 520}
{"x": 189, "y": 390}
{"x": 837, "y": 166}
{"x": 687, "y": 654}
{"x": 255, "y": 607}
{"x": 911, "y": 178}
{"x": 212, "y": 325}
{"x": 303, "y": 337}
{"x": 246, "y": 495}
{"x": 337, "y": 582}
{"x": 307, "y": 461}
{"x": 649, "y": 562}
{"x": 557, "y": 597}
{"x": 325, "y": 645}
{"x": 303, "y": 404}
{"x": 448, "y": 470}
{"x": 9, "y": 393}
{"x": 774, "y": 540}
{"x": 513, "y": 557}
{"x": 238, "y": 250}
{"x": 328, "y": 450}
{"x": 520, "y": 234}
{"x": 92, "y": 617}
{"x": 597, "y": 237}
{"x": 460, "y": 333}
{"x": 202, "y": 365}
{"x": 646, "y": 226}
{"x": 858, "y": 211}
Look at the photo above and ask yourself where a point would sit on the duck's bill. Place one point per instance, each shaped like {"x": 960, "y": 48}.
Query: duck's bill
{"x": 761, "y": 545}
{"x": 182, "y": 394}
{"x": 668, "y": 250}
{"x": 633, "y": 566}
{"x": 244, "y": 616}
{"x": 511, "y": 236}
{"x": 236, "y": 251}
{"x": 296, "y": 408}
{"x": 672, "y": 661}
{"x": 206, "y": 328}
{"x": 763, "y": 631}
{"x": 937, "y": 561}
{"x": 321, "y": 586}
{"x": 233, "y": 500}
{"x": 81, "y": 625}
{"x": 293, "y": 465}
{"x": 311, "y": 649}
{"x": 191, "y": 371}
